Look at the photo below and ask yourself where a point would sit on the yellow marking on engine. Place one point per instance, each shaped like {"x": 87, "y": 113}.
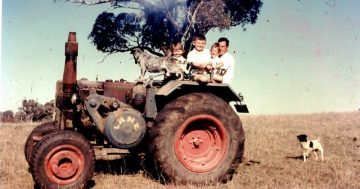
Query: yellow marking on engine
{"x": 136, "y": 126}
{"x": 119, "y": 122}
{"x": 117, "y": 126}
{"x": 129, "y": 119}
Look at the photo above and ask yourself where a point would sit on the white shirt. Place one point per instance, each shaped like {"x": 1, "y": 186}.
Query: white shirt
{"x": 215, "y": 61}
{"x": 199, "y": 56}
{"x": 229, "y": 64}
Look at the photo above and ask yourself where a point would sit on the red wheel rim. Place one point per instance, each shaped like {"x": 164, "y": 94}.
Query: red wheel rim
{"x": 64, "y": 164}
{"x": 201, "y": 143}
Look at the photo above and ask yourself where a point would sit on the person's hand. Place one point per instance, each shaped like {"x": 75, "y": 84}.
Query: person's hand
{"x": 196, "y": 64}
{"x": 219, "y": 65}
{"x": 209, "y": 67}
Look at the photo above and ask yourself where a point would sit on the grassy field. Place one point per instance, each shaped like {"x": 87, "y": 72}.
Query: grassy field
{"x": 272, "y": 156}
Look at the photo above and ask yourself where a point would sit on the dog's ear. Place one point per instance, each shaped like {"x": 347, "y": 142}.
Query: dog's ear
{"x": 302, "y": 138}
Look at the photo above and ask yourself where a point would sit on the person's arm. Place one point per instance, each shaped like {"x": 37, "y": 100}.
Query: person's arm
{"x": 229, "y": 64}
{"x": 200, "y": 61}
{"x": 203, "y": 65}
{"x": 219, "y": 65}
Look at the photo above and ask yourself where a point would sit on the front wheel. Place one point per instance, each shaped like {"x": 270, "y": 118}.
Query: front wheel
{"x": 35, "y": 136}
{"x": 198, "y": 139}
{"x": 62, "y": 159}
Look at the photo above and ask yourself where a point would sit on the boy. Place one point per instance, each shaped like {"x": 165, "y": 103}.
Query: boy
{"x": 200, "y": 58}
{"x": 177, "y": 52}
{"x": 217, "y": 65}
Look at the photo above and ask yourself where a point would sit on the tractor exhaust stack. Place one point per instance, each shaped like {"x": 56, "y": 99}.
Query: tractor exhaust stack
{"x": 71, "y": 53}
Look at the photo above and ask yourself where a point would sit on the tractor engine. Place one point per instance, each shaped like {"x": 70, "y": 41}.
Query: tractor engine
{"x": 122, "y": 125}
{"x": 114, "y": 108}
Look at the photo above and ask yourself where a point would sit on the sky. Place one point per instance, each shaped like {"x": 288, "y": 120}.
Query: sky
{"x": 301, "y": 56}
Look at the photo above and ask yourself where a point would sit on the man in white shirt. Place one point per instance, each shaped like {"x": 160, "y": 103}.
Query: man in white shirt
{"x": 227, "y": 59}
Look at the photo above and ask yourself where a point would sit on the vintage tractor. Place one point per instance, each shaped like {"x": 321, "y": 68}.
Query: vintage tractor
{"x": 188, "y": 129}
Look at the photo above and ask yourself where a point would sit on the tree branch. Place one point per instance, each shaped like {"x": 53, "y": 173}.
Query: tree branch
{"x": 114, "y": 3}
{"x": 102, "y": 61}
{"x": 85, "y": 2}
{"x": 152, "y": 51}
{"x": 192, "y": 20}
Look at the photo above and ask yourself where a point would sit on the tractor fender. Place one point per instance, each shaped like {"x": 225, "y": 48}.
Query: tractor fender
{"x": 174, "y": 89}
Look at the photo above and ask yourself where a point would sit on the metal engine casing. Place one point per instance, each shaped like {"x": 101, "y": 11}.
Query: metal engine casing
{"x": 125, "y": 128}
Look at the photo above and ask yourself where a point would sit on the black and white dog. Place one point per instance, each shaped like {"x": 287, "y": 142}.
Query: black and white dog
{"x": 309, "y": 146}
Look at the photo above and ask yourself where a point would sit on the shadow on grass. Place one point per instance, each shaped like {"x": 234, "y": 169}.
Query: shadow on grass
{"x": 251, "y": 162}
{"x": 130, "y": 165}
{"x": 295, "y": 157}
{"x": 124, "y": 166}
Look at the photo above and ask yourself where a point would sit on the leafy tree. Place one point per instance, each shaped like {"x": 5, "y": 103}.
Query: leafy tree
{"x": 156, "y": 24}
{"x": 7, "y": 116}
{"x": 20, "y": 116}
{"x": 31, "y": 110}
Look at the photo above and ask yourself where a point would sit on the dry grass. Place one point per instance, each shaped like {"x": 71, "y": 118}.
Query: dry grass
{"x": 271, "y": 156}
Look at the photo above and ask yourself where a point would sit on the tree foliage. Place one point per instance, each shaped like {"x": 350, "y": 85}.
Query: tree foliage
{"x": 156, "y": 24}
{"x": 7, "y": 116}
{"x": 30, "y": 110}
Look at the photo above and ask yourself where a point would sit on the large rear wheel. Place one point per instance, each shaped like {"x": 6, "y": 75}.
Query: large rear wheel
{"x": 35, "y": 136}
{"x": 62, "y": 159}
{"x": 197, "y": 139}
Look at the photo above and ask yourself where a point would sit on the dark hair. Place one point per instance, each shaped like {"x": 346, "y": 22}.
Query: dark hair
{"x": 221, "y": 39}
{"x": 199, "y": 36}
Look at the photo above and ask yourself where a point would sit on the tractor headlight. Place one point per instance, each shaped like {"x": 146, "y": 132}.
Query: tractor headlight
{"x": 74, "y": 98}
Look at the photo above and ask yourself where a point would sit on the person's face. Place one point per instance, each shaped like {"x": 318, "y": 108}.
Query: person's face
{"x": 214, "y": 52}
{"x": 199, "y": 44}
{"x": 178, "y": 52}
{"x": 223, "y": 47}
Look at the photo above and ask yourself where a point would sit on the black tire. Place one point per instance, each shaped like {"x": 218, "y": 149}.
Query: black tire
{"x": 173, "y": 134}
{"x": 35, "y": 136}
{"x": 62, "y": 160}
